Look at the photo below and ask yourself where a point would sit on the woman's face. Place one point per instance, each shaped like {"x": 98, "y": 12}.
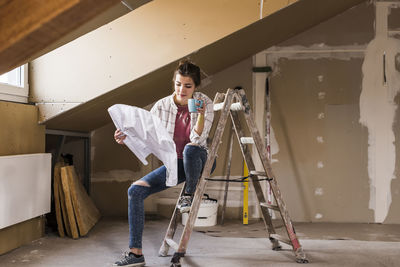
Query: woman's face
{"x": 184, "y": 89}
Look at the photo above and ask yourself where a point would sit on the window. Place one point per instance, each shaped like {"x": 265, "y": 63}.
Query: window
{"x": 14, "y": 85}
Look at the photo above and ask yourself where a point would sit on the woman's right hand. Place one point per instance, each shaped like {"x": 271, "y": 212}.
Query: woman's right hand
{"x": 119, "y": 137}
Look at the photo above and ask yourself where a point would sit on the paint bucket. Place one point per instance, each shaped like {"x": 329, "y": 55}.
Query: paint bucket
{"x": 207, "y": 215}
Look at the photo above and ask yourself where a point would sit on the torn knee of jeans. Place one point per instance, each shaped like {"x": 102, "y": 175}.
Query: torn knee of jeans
{"x": 141, "y": 183}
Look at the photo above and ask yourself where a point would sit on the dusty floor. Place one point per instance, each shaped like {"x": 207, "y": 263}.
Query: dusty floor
{"x": 324, "y": 244}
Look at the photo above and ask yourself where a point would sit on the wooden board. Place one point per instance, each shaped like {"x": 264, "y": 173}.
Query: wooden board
{"x": 67, "y": 228}
{"x": 86, "y": 213}
{"x": 68, "y": 203}
{"x": 56, "y": 192}
{"x": 28, "y": 27}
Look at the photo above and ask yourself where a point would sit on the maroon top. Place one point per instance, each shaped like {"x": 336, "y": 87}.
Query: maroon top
{"x": 182, "y": 129}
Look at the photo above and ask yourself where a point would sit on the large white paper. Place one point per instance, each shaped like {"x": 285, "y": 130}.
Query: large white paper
{"x": 145, "y": 134}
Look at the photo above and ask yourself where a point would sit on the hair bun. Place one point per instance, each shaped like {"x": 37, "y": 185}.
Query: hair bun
{"x": 188, "y": 68}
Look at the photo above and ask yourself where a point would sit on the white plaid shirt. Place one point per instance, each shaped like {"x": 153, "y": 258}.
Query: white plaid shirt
{"x": 166, "y": 110}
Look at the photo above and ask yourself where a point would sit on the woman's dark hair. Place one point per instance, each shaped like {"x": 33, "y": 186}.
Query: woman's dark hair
{"x": 188, "y": 69}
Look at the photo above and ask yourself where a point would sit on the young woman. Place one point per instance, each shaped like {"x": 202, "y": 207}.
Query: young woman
{"x": 189, "y": 132}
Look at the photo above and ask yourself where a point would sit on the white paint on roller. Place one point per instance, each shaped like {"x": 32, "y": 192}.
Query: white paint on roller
{"x": 320, "y": 165}
{"x": 377, "y": 112}
{"x": 319, "y": 191}
{"x": 321, "y": 116}
{"x": 321, "y": 95}
{"x": 318, "y": 216}
{"x": 320, "y": 139}
{"x": 320, "y": 78}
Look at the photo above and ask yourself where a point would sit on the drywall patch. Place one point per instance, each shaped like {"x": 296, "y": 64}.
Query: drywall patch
{"x": 319, "y": 191}
{"x": 321, "y": 115}
{"x": 318, "y": 216}
{"x": 320, "y": 165}
{"x": 320, "y": 139}
{"x": 380, "y": 85}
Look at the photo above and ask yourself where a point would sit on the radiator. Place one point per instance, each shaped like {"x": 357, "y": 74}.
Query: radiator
{"x": 25, "y": 187}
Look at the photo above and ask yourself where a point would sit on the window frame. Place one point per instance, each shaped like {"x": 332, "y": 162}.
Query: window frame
{"x": 14, "y": 93}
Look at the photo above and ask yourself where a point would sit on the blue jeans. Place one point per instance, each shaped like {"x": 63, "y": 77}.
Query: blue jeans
{"x": 189, "y": 170}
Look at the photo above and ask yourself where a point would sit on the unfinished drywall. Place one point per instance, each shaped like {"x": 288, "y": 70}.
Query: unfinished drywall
{"x": 322, "y": 163}
{"x": 137, "y": 43}
{"x": 314, "y": 114}
{"x": 109, "y": 56}
{"x": 334, "y": 111}
{"x": 20, "y": 134}
{"x": 114, "y": 167}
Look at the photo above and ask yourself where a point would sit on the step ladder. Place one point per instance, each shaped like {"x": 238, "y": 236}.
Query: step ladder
{"x": 231, "y": 103}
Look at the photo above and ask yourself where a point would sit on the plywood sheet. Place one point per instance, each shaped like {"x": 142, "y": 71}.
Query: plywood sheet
{"x": 86, "y": 212}
{"x": 57, "y": 203}
{"x": 68, "y": 203}
{"x": 20, "y": 132}
{"x": 63, "y": 207}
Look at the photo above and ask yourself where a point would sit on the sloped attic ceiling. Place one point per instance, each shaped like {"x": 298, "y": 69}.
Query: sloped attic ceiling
{"x": 42, "y": 27}
{"x": 213, "y": 58}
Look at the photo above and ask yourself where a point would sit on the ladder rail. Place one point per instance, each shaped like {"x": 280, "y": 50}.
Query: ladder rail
{"x": 267, "y": 167}
{"x": 250, "y": 164}
{"x": 171, "y": 228}
{"x": 206, "y": 173}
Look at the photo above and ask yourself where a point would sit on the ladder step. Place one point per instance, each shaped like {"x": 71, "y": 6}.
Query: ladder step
{"x": 259, "y": 173}
{"x": 281, "y": 238}
{"x": 246, "y": 140}
{"x": 172, "y": 244}
{"x": 269, "y": 206}
{"x": 235, "y": 106}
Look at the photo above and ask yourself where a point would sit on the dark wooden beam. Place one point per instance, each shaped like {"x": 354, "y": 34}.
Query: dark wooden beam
{"x": 27, "y": 27}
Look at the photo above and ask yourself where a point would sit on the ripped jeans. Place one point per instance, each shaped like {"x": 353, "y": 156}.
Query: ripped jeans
{"x": 189, "y": 170}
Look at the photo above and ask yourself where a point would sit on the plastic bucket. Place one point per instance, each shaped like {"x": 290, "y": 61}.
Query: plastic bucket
{"x": 207, "y": 215}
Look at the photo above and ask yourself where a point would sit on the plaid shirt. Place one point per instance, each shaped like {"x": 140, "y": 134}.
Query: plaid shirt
{"x": 166, "y": 110}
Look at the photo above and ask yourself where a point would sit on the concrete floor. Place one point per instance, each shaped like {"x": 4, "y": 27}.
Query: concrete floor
{"x": 108, "y": 239}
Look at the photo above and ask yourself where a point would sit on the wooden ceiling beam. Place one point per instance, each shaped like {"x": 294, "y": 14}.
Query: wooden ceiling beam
{"x": 27, "y": 27}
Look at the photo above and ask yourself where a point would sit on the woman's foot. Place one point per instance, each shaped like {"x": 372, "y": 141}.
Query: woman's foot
{"x": 185, "y": 202}
{"x": 131, "y": 259}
